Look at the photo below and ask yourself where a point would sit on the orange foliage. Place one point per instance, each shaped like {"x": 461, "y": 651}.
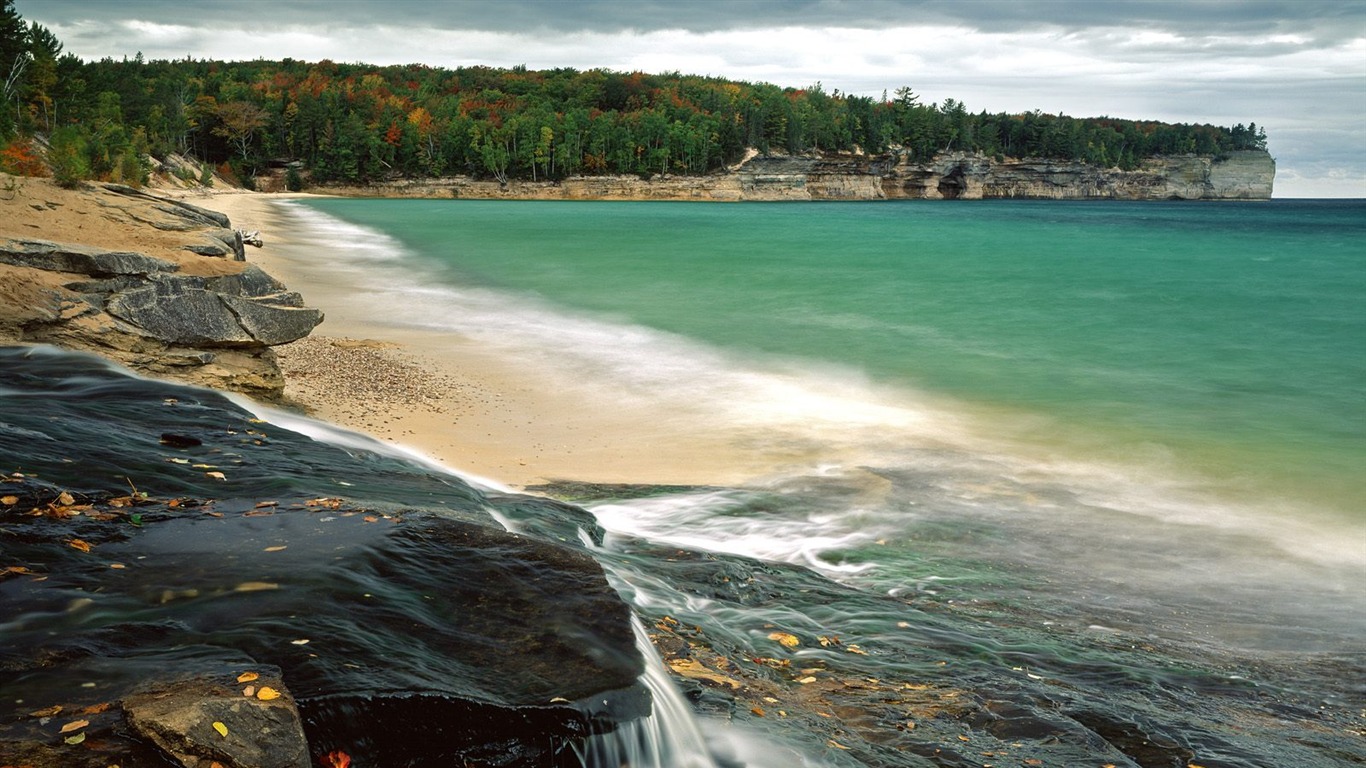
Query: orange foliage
{"x": 18, "y": 158}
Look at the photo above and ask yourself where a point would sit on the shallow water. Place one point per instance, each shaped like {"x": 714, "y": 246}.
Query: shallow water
{"x": 1108, "y": 451}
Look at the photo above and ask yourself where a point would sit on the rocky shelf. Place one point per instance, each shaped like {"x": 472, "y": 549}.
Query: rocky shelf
{"x": 1245, "y": 175}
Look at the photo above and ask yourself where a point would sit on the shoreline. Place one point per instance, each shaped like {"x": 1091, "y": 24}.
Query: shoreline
{"x": 471, "y": 408}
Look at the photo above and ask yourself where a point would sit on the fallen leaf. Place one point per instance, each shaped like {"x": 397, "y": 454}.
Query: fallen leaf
{"x": 222, "y": 729}
{"x": 961, "y": 737}
{"x": 807, "y": 679}
{"x": 785, "y": 639}
{"x": 267, "y": 693}
{"x": 247, "y": 677}
{"x": 65, "y": 499}
{"x": 855, "y": 649}
{"x": 117, "y": 566}
{"x": 276, "y": 548}
{"x": 836, "y": 744}
{"x": 299, "y": 642}
{"x": 757, "y": 710}
{"x": 261, "y": 504}
{"x": 1033, "y": 761}
{"x": 78, "y": 544}
{"x": 9, "y": 501}
{"x": 249, "y": 691}
{"x": 95, "y": 709}
{"x": 74, "y": 740}
{"x": 216, "y": 475}
{"x": 46, "y": 712}
{"x": 370, "y": 519}
{"x": 74, "y": 725}
{"x": 255, "y": 586}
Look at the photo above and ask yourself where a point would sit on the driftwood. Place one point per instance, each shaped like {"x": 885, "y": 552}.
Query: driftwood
{"x": 251, "y": 238}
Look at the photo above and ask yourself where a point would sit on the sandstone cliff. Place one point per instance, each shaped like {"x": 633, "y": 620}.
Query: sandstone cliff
{"x": 184, "y": 305}
{"x": 1245, "y": 175}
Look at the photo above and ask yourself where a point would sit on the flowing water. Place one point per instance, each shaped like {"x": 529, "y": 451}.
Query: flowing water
{"x": 1118, "y": 447}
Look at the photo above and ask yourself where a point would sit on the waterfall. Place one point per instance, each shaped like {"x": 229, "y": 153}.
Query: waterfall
{"x": 669, "y": 738}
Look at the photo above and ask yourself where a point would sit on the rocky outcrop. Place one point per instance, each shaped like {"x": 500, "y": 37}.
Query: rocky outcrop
{"x": 952, "y": 176}
{"x": 194, "y": 312}
{"x": 182, "y": 587}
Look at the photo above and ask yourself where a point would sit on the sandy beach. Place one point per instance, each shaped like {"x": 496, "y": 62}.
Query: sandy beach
{"x": 505, "y": 420}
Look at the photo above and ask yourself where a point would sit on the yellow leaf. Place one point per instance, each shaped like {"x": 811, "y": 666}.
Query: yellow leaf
{"x": 267, "y": 693}
{"x": 77, "y": 739}
{"x": 222, "y": 729}
{"x": 65, "y": 499}
{"x": 255, "y": 586}
{"x": 78, "y": 544}
{"x": 247, "y": 677}
{"x": 299, "y": 642}
{"x": 74, "y": 725}
{"x": 836, "y": 744}
{"x": 277, "y": 548}
{"x": 9, "y": 501}
{"x": 216, "y": 475}
{"x": 785, "y": 639}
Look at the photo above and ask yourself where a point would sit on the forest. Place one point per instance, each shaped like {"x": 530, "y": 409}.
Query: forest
{"x": 357, "y": 123}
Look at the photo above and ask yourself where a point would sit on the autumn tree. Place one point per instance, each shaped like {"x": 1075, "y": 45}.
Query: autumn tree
{"x": 238, "y": 123}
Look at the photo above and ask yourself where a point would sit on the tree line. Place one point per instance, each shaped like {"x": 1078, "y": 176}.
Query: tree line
{"x": 359, "y": 123}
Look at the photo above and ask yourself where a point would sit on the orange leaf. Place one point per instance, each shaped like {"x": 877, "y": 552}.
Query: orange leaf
{"x": 267, "y": 693}
{"x": 247, "y": 677}
{"x": 47, "y": 712}
{"x": 74, "y": 725}
{"x": 337, "y": 759}
{"x": 9, "y": 501}
{"x": 78, "y": 544}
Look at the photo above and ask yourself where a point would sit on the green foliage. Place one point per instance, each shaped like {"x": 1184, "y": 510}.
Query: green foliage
{"x": 206, "y": 175}
{"x": 357, "y": 123}
{"x": 293, "y": 181}
{"x": 68, "y": 156}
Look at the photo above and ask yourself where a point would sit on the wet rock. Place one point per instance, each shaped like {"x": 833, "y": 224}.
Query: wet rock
{"x": 183, "y": 718}
{"x": 414, "y": 631}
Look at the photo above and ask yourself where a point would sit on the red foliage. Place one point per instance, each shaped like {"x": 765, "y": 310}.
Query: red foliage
{"x": 18, "y": 158}
{"x": 336, "y": 759}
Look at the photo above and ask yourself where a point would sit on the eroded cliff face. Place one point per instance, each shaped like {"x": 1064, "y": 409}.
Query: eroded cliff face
{"x": 1245, "y": 175}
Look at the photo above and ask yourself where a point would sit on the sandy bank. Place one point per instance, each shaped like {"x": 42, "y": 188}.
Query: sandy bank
{"x": 506, "y": 419}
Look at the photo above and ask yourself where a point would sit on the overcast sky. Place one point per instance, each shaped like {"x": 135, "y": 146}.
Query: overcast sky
{"x": 1295, "y": 67}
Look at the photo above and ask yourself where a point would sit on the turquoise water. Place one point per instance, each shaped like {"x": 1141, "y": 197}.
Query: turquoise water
{"x": 1105, "y": 457}
{"x": 1227, "y": 340}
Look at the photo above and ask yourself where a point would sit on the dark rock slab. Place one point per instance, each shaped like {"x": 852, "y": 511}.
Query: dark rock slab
{"x": 176, "y": 314}
{"x": 80, "y": 259}
{"x": 215, "y": 312}
{"x": 269, "y": 323}
{"x": 180, "y": 718}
